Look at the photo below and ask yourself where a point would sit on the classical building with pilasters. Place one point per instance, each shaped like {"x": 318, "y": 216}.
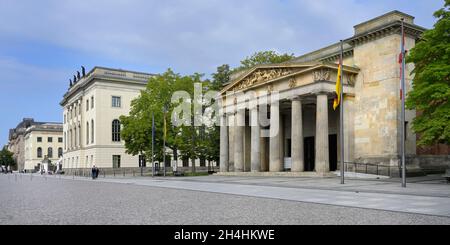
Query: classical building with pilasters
{"x": 302, "y": 136}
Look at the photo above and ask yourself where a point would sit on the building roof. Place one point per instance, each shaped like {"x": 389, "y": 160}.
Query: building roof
{"x": 372, "y": 28}
{"x": 27, "y": 123}
{"x": 110, "y": 74}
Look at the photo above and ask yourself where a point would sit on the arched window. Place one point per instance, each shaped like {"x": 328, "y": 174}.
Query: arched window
{"x": 39, "y": 152}
{"x": 87, "y": 133}
{"x": 60, "y": 152}
{"x": 92, "y": 131}
{"x": 116, "y": 131}
{"x": 50, "y": 152}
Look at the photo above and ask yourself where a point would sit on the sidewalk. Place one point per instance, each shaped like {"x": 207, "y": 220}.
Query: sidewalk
{"x": 429, "y": 196}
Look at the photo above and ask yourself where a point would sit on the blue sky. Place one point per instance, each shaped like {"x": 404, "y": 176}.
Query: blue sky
{"x": 43, "y": 43}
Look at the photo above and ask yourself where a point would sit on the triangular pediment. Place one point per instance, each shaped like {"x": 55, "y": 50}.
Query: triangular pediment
{"x": 271, "y": 73}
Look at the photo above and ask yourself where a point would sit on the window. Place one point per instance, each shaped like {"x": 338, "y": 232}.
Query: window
{"x": 92, "y": 131}
{"x": 142, "y": 161}
{"x": 116, "y": 131}
{"x": 116, "y": 101}
{"x": 50, "y": 139}
{"x": 39, "y": 152}
{"x": 65, "y": 118}
{"x": 60, "y": 152}
{"x": 79, "y": 135}
{"x": 87, "y": 133}
{"x": 60, "y": 140}
{"x": 50, "y": 152}
{"x": 87, "y": 105}
{"x": 92, "y": 102}
{"x": 39, "y": 139}
{"x": 65, "y": 141}
{"x": 116, "y": 161}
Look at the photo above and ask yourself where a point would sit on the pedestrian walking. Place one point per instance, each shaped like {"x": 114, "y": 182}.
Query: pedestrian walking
{"x": 94, "y": 172}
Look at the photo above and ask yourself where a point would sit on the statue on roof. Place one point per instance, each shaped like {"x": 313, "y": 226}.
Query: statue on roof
{"x": 83, "y": 71}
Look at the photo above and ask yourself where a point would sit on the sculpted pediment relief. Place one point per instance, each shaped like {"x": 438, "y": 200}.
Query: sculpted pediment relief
{"x": 316, "y": 72}
{"x": 263, "y": 75}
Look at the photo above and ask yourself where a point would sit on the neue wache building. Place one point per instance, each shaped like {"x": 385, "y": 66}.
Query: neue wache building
{"x": 304, "y": 128}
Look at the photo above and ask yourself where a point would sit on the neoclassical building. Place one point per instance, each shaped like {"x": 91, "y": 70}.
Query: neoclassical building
{"x": 304, "y": 128}
{"x": 32, "y": 142}
{"x": 92, "y": 109}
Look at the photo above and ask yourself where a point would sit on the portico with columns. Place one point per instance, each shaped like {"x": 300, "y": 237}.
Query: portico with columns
{"x": 300, "y": 135}
{"x": 302, "y": 122}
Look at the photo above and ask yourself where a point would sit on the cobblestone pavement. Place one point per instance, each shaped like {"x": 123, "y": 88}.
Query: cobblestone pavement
{"x": 54, "y": 200}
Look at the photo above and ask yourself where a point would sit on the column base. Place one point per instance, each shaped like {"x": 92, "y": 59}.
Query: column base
{"x": 278, "y": 174}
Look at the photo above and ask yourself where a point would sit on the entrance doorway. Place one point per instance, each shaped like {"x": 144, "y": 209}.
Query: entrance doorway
{"x": 310, "y": 154}
{"x": 333, "y": 152}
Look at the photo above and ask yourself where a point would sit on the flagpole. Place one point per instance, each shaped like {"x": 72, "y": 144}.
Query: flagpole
{"x": 403, "y": 116}
{"x": 153, "y": 144}
{"x": 164, "y": 149}
{"x": 342, "y": 142}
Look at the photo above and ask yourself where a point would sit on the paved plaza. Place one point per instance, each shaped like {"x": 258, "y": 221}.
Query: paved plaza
{"x": 221, "y": 200}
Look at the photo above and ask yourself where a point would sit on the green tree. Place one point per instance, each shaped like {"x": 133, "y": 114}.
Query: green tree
{"x": 221, "y": 77}
{"x": 264, "y": 58}
{"x": 431, "y": 87}
{"x": 6, "y": 158}
{"x": 137, "y": 126}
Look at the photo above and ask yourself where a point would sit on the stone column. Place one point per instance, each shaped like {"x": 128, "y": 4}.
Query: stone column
{"x": 322, "y": 151}
{"x": 256, "y": 141}
{"x": 224, "y": 167}
{"x": 239, "y": 134}
{"x": 298, "y": 164}
{"x": 276, "y": 164}
{"x": 231, "y": 124}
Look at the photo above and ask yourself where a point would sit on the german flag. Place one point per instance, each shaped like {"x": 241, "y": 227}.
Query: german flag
{"x": 337, "y": 100}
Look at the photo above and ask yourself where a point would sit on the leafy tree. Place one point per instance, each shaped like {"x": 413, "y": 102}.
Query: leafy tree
{"x": 137, "y": 127}
{"x": 221, "y": 77}
{"x": 264, "y": 58}
{"x": 6, "y": 158}
{"x": 431, "y": 87}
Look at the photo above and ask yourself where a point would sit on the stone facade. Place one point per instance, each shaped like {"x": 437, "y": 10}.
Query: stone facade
{"x": 32, "y": 141}
{"x": 91, "y": 106}
{"x": 304, "y": 126}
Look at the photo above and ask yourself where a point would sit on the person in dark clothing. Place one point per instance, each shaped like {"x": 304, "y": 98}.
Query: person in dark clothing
{"x": 94, "y": 172}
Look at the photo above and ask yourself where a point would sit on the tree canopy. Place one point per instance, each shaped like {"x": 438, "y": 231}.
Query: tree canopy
{"x": 192, "y": 142}
{"x": 264, "y": 58}
{"x": 431, "y": 86}
{"x": 6, "y": 158}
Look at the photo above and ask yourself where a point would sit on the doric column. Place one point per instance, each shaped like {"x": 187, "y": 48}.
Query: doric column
{"x": 239, "y": 135}
{"x": 322, "y": 151}
{"x": 256, "y": 142}
{"x": 224, "y": 167}
{"x": 298, "y": 164}
{"x": 231, "y": 132}
{"x": 276, "y": 164}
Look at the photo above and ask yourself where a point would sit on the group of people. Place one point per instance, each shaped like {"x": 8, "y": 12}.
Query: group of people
{"x": 95, "y": 172}
{"x": 5, "y": 170}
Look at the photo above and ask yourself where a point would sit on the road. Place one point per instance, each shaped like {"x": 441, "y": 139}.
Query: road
{"x": 63, "y": 201}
